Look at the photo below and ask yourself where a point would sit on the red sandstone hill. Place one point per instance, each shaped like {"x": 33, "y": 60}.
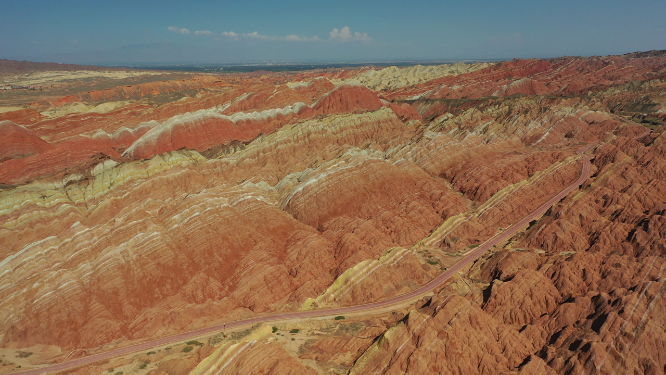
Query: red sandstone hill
{"x": 22, "y": 117}
{"x": 17, "y": 141}
{"x": 244, "y": 195}
{"x": 346, "y": 99}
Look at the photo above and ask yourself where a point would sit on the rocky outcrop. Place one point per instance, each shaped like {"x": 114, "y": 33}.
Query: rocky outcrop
{"x": 451, "y": 335}
{"x": 539, "y": 332}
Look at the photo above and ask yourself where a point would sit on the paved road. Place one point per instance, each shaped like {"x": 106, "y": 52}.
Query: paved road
{"x": 425, "y": 289}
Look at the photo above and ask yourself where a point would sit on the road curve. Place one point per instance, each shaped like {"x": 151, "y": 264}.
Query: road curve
{"x": 468, "y": 259}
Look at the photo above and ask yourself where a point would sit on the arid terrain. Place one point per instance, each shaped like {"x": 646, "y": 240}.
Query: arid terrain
{"x": 136, "y": 205}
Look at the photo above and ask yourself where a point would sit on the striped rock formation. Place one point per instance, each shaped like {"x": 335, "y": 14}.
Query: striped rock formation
{"x": 185, "y": 203}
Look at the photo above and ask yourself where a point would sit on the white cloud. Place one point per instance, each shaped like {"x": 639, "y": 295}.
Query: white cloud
{"x": 230, "y": 34}
{"x": 256, "y": 35}
{"x": 362, "y": 37}
{"x": 345, "y": 35}
{"x": 178, "y": 30}
{"x": 296, "y": 38}
{"x": 293, "y": 38}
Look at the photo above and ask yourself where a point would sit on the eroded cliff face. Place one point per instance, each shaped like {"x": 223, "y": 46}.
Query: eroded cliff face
{"x": 242, "y": 199}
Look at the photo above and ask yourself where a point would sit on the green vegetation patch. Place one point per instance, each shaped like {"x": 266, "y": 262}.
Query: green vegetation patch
{"x": 144, "y": 365}
{"x": 295, "y": 330}
{"x": 187, "y": 349}
{"x": 194, "y": 342}
{"x": 239, "y": 335}
{"x": 432, "y": 262}
{"x": 339, "y": 317}
{"x": 274, "y": 329}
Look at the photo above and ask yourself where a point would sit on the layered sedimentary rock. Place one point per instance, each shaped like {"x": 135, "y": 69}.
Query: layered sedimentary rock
{"x": 525, "y": 86}
{"x": 313, "y": 88}
{"x": 235, "y": 198}
{"x": 64, "y": 157}
{"x": 227, "y": 242}
{"x": 139, "y": 91}
{"x": 17, "y": 141}
{"x": 79, "y": 107}
{"x": 563, "y": 76}
{"x": 394, "y": 77}
{"x": 22, "y": 116}
{"x": 347, "y": 98}
{"x": 203, "y": 129}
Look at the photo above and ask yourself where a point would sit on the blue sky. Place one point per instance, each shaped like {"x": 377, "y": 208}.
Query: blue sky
{"x": 225, "y": 31}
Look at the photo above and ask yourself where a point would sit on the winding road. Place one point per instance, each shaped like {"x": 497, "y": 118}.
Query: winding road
{"x": 425, "y": 289}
